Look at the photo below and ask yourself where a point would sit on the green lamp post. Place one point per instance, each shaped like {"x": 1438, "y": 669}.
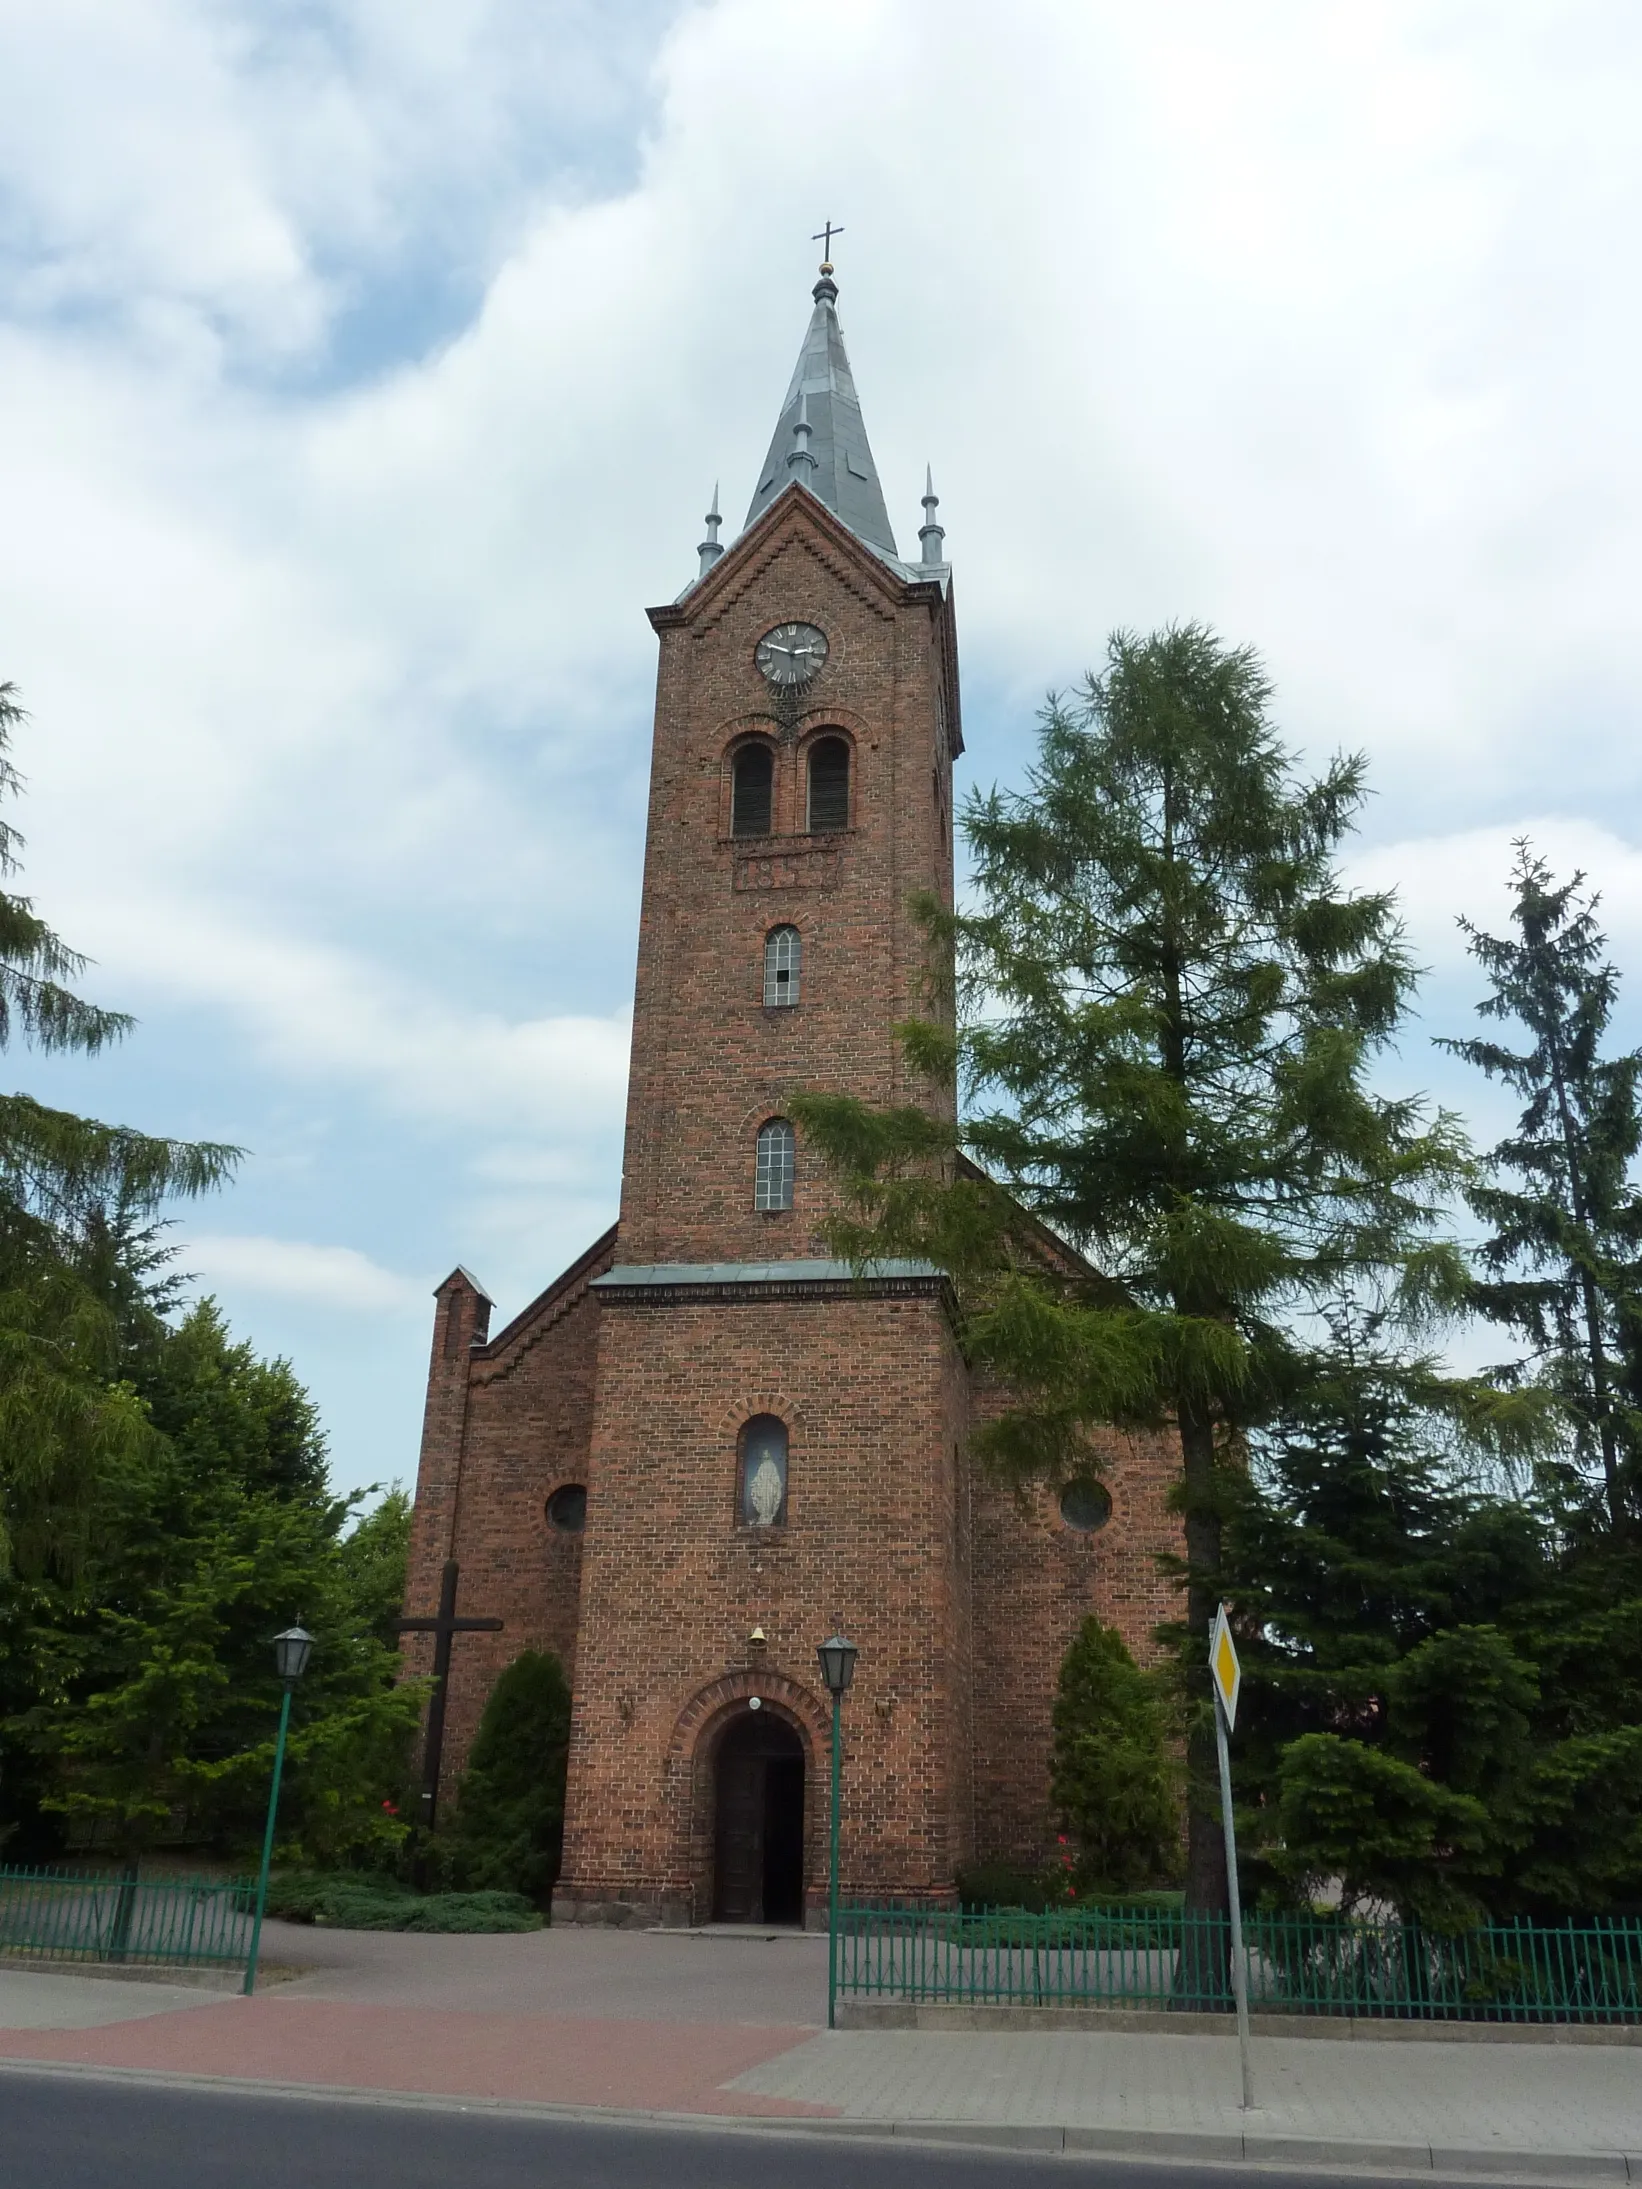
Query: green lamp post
{"x": 291, "y": 1652}
{"x": 837, "y": 1660}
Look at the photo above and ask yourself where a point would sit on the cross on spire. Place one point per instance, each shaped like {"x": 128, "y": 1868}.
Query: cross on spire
{"x": 824, "y": 237}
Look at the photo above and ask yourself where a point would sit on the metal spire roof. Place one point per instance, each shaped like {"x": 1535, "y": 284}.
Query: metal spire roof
{"x": 833, "y": 458}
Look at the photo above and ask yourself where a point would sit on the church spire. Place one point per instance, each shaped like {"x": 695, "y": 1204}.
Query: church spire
{"x": 712, "y": 546}
{"x": 931, "y": 534}
{"x": 821, "y": 417}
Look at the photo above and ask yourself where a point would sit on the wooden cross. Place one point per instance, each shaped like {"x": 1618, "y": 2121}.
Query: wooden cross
{"x": 443, "y": 1625}
{"x": 824, "y": 237}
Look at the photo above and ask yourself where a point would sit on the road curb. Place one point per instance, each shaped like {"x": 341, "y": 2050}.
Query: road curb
{"x": 1097, "y": 2021}
{"x": 1245, "y": 2149}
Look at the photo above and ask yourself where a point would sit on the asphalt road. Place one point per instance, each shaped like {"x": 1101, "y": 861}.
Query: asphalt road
{"x": 63, "y": 2132}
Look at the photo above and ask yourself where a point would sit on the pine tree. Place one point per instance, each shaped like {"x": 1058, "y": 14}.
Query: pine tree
{"x": 1563, "y": 1265}
{"x": 1171, "y": 1008}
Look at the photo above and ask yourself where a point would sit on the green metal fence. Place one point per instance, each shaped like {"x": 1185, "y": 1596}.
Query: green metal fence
{"x": 1150, "y": 1957}
{"x": 170, "y": 1922}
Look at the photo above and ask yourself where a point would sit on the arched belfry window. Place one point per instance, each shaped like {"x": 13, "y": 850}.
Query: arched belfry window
{"x": 773, "y": 1173}
{"x": 782, "y": 952}
{"x": 829, "y": 785}
{"x": 752, "y": 781}
{"x": 762, "y": 1502}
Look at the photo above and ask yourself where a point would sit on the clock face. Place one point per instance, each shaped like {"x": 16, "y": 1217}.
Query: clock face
{"x": 791, "y": 653}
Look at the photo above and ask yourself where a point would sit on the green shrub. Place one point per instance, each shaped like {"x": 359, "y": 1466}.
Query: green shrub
{"x": 1007, "y": 1885}
{"x": 1114, "y": 1778}
{"x": 509, "y": 1824}
{"x": 357, "y": 1901}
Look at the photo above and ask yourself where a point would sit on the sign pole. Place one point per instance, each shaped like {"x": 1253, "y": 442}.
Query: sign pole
{"x": 1240, "y": 1986}
{"x": 1227, "y": 1678}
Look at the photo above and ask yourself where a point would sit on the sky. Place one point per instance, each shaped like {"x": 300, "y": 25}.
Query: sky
{"x": 366, "y": 368}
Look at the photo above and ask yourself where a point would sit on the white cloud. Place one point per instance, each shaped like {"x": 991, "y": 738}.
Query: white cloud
{"x": 319, "y": 1013}
{"x": 364, "y": 369}
{"x": 1441, "y": 879}
{"x": 296, "y": 1269}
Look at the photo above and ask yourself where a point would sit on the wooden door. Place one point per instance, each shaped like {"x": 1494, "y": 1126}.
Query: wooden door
{"x": 738, "y": 1895}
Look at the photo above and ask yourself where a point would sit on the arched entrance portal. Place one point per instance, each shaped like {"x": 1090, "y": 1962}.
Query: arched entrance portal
{"x": 758, "y": 1866}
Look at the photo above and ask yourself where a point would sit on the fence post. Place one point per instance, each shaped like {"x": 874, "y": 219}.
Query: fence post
{"x": 125, "y": 1909}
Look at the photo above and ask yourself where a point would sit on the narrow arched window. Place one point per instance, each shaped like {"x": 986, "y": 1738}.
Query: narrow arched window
{"x": 751, "y": 784}
{"x": 763, "y": 1499}
{"x": 773, "y": 1174}
{"x": 781, "y": 956}
{"x": 829, "y": 785}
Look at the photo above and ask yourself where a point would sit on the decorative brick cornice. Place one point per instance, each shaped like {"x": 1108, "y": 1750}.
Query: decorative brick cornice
{"x": 504, "y": 1352}
{"x": 670, "y": 1283}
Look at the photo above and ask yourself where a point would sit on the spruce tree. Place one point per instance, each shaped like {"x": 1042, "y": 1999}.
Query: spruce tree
{"x": 68, "y": 1187}
{"x": 1383, "y": 1730}
{"x": 1562, "y": 1267}
{"x": 1170, "y": 1009}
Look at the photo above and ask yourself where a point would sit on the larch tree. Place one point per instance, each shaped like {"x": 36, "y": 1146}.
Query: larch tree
{"x": 1169, "y": 1008}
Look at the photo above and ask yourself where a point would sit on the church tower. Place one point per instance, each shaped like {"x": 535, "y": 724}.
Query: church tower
{"x": 775, "y": 1443}
{"x": 707, "y": 1446}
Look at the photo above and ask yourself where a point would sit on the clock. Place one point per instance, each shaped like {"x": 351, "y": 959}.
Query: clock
{"x": 791, "y": 653}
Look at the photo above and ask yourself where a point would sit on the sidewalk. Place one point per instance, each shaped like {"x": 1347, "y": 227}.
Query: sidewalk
{"x": 724, "y": 2027}
{"x": 1401, "y": 2106}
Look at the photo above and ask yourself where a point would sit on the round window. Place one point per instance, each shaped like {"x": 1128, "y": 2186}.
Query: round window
{"x": 1085, "y": 1504}
{"x": 567, "y": 1509}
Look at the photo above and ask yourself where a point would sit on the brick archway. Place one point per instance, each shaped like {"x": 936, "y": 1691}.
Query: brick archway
{"x": 691, "y": 1755}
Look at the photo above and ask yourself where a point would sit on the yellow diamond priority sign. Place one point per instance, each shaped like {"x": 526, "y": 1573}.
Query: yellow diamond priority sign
{"x": 1224, "y": 1668}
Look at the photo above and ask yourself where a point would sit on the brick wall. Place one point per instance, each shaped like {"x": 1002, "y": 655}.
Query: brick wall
{"x": 1035, "y": 1582}
{"x": 511, "y": 1422}
{"x": 961, "y": 1604}
{"x": 709, "y": 1062}
{"x": 673, "y": 1586}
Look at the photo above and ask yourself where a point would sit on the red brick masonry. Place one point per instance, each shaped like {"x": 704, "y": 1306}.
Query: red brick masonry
{"x": 961, "y": 1598}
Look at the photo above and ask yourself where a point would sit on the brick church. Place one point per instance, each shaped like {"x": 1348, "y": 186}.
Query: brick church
{"x": 707, "y": 1446}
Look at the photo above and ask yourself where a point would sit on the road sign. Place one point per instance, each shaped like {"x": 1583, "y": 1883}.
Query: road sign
{"x": 1224, "y": 1668}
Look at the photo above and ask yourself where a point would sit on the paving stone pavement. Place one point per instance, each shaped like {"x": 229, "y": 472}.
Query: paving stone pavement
{"x": 728, "y": 2025}
{"x": 721, "y": 1975}
{"x": 31, "y": 2000}
{"x": 1550, "y": 2098}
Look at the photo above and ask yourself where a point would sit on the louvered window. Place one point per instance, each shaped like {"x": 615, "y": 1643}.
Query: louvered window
{"x": 750, "y": 798}
{"x": 773, "y": 1175}
{"x": 781, "y": 955}
{"x": 829, "y": 785}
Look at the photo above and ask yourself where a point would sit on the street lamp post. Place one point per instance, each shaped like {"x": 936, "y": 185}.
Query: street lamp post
{"x": 291, "y": 1650}
{"x": 837, "y": 1660}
